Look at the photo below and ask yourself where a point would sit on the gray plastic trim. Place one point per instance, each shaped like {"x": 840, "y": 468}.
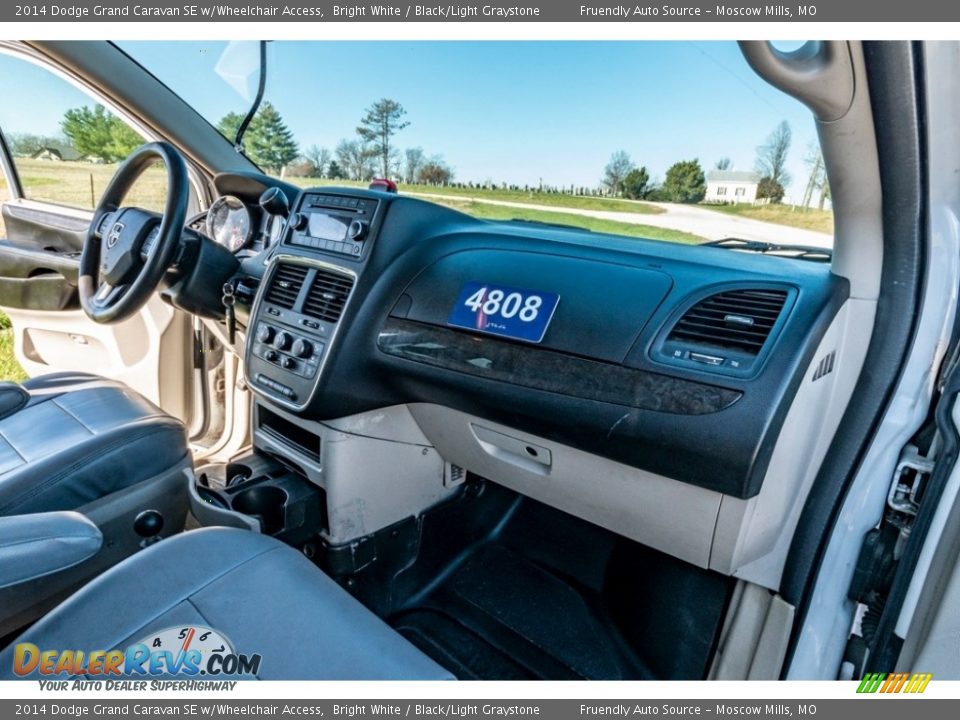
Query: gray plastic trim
{"x": 376, "y": 468}
{"x": 671, "y": 516}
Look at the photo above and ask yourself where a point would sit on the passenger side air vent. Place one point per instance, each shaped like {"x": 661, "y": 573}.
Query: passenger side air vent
{"x": 328, "y": 295}
{"x": 285, "y": 285}
{"x": 739, "y": 320}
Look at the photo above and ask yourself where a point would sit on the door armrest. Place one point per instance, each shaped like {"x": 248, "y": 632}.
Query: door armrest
{"x": 35, "y": 545}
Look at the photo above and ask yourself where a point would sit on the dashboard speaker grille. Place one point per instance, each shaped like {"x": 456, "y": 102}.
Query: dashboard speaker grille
{"x": 328, "y": 295}
{"x": 736, "y": 319}
{"x": 285, "y": 285}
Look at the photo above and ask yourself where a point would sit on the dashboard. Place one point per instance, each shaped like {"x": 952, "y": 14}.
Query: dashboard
{"x": 677, "y": 360}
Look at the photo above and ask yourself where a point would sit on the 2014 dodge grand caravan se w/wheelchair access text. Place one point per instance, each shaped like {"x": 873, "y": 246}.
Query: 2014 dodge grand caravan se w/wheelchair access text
{"x": 655, "y": 420}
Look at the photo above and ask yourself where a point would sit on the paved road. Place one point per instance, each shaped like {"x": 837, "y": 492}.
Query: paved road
{"x": 707, "y": 224}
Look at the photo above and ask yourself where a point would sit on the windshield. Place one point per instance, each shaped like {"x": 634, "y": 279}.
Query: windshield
{"x": 674, "y": 141}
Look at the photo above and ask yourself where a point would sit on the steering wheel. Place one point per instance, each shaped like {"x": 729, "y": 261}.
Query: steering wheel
{"x": 127, "y": 250}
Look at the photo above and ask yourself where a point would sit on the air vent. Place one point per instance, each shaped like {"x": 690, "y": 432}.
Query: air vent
{"x": 737, "y": 320}
{"x": 328, "y": 295}
{"x": 285, "y": 285}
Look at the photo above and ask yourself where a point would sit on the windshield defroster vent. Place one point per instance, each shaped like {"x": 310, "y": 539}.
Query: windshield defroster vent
{"x": 328, "y": 296}
{"x": 285, "y": 285}
{"x": 739, "y": 320}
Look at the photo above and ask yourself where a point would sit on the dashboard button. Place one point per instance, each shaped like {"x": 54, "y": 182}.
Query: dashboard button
{"x": 288, "y": 363}
{"x": 271, "y": 356}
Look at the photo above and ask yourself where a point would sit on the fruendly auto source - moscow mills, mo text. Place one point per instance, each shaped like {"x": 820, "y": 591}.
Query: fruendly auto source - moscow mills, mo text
{"x": 628, "y": 12}
{"x": 404, "y": 11}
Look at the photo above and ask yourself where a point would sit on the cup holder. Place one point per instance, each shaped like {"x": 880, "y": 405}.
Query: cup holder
{"x": 257, "y": 493}
{"x": 263, "y": 502}
{"x": 210, "y": 497}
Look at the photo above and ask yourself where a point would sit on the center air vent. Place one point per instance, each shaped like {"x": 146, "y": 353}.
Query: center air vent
{"x": 739, "y": 320}
{"x": 285, "y": 285}
{"x": 328, "y": 294}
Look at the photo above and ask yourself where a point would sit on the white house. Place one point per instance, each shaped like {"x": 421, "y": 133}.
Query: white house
{"x": 732, "y": 186}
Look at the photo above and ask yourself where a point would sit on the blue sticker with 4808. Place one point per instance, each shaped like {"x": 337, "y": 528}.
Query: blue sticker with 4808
{"x": 506, "y": 311}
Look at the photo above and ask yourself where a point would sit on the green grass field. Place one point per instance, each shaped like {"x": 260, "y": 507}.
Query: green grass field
{"x": 9, "y": 367}
{"x": 80, "y": 184}
{"x": 531, "y": 197}
{"x": 499, "y": 212}
{"x": 804, "y": 218}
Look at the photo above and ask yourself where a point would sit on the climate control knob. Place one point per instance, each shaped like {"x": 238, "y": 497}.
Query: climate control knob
{"x": 264, "y": 333}
{"x": 302, "y": 348}
{"x": 282, "y": 340}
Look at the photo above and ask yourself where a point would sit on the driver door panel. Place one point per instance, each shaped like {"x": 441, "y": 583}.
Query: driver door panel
{"x": 39, "y": 262}
{"x": 39, "y": 258}
{"x": 43, "y": 224}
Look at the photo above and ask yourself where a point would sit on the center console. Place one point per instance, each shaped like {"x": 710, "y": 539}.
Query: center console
{"x": 307, "y": 289}
{"x": 318, "y": 484}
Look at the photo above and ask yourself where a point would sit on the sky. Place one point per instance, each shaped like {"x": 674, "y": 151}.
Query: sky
{"x": 518, "y": 112}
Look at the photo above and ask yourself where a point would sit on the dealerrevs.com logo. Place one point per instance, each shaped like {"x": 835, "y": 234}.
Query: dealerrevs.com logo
{"x": 889, "y": 683}
{"x": 190, "y": 651}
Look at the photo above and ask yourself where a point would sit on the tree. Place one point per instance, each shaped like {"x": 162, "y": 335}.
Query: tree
{"x": 319, "y": 159}
{"x": 825, "y": 193}
{"x": 229, "y": 124}
{"x": 772, "y": 156}
{"x": 415, "y": 159}
{"x": 435, "y": 171}
{"x": 770, "y": 189}
{"x": 356, "y": 159}
{"x": 817, "y": 180}
{"x": 334, "y": 171}
{"x": 97, "y": 133}
{"x": 379, "y": 124}
{"x": 616, "y": 170}
{"x": 636, "y": 184}
{"x": 268, "y": 141}
{"x": 723, "y": 163}
{"x": 684, "y": 182}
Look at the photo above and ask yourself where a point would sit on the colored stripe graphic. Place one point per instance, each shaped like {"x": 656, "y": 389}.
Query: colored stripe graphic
{"x": 894, "y": 683}
{"x": 918, "y": 683}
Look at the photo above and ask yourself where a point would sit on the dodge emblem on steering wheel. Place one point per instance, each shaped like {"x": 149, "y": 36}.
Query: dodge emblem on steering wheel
{"x": 114, "y": 237}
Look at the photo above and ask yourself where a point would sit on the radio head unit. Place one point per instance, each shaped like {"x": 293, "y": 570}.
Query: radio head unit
{"x": 333, "y": 223}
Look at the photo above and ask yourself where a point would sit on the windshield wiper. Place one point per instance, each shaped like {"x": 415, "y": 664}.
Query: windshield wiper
{"x": 797, "y": 252}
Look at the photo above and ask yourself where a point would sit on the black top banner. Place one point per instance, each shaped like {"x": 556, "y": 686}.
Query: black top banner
{"x": 709, "y": 11}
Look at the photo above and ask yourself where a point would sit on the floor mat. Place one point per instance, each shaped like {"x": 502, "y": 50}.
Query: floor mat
{"x": 501, "y": 615}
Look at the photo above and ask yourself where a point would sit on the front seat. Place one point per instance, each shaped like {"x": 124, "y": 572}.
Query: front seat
{"x": 77, "y": 442}
{"x": 71, "y": 439}
{"x": 261, "y": 595}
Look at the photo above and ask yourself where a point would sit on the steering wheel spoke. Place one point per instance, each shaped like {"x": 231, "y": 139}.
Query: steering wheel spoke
{"x": 103, "y": 221}
{"x": 108, "y": 294}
